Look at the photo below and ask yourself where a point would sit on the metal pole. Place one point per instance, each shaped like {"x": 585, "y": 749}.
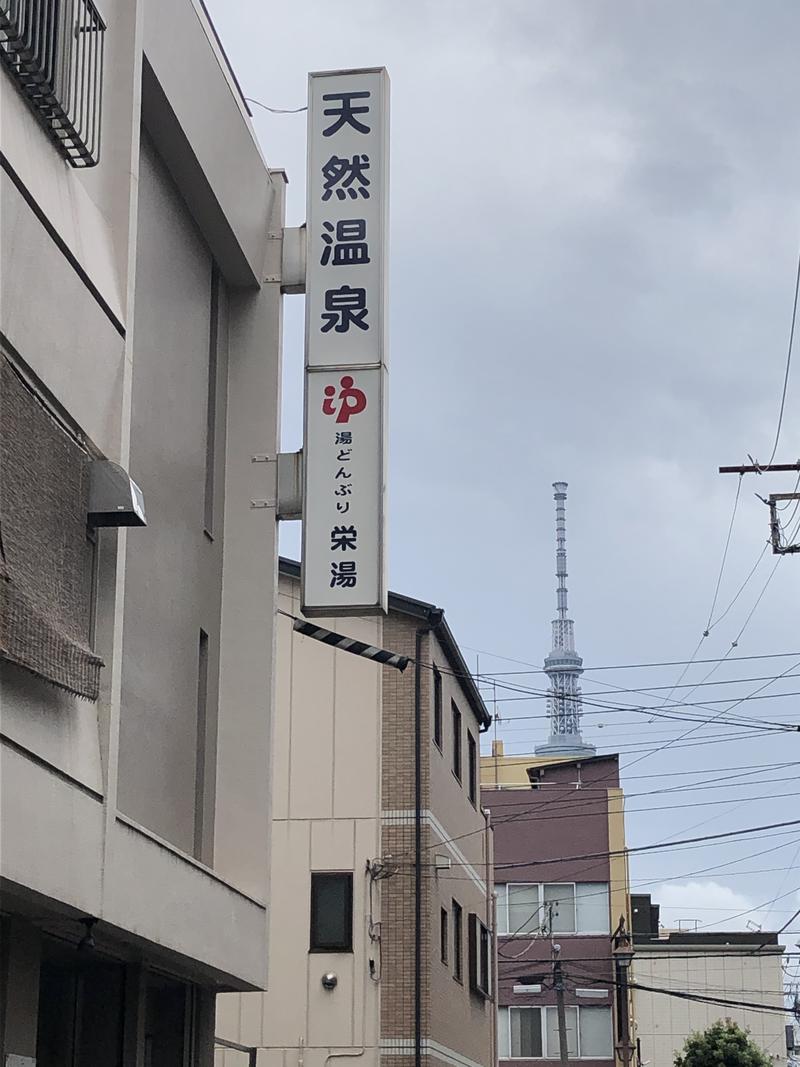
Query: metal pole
{"x": 558, "y": 985}
{"x": 435, "y": 616}
{"x": 623, "y": 1015}
{"x": 422, "y": 632}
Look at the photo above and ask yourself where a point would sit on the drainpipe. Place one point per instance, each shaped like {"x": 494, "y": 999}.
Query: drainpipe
{"x": 434, "y": 619}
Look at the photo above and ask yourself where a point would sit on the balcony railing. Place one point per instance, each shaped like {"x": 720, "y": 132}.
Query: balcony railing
{"x": 53, "y": 50}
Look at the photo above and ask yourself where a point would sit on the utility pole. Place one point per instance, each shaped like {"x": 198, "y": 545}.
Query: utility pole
{"x": 780, "y": 547}
{"x": 623, "y": 957}
{"x": 558, "y": 985}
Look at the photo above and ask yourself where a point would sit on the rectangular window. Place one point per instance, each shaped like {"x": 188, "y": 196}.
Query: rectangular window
{"x": 201, "y": 810}
{"x": 594, "y": 1032}
{"x": 331, "y": 912}
{"x": 211, "y": 405}
{"x": 525, "y": 1039}
{"x": 444, "y": 935}
{"x": 503, "y": 1035}
{"x": 456, "y": 740}
{"x": 520, "y": 1036}
{"x": 523, "y": 915}
{"x": 478, "y": 938}
{"x": 553, "y": 1047}
{"x": 472, "y": 768}
{"x": 437, "y": 708}
{"x": 458, "y": 938}
{"x": 591, "y": 900}
{"x": 559, "y": 907}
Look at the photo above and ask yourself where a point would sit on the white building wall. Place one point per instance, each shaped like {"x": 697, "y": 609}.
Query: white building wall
{"x": 74, "y": 316}
{"x": 664, "y": 1022}
{"x": 326, "y": 816}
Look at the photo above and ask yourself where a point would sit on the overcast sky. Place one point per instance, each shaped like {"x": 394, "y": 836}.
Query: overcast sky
{"x": 595, "y": 227}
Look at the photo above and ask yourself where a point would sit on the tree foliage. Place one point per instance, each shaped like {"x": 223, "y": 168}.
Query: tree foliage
{"x": 724, "y": 1044}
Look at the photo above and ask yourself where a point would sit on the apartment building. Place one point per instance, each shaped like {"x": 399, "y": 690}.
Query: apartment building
{"x": 686, "y": 980}
{"x": 141, "y": 320}
{"x": 561, "y": 883}
{"x": 349, "y": 979}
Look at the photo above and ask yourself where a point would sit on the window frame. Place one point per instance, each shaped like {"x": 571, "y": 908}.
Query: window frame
{"x": 478, "y": 955}
{"x": 458, "y": 940}
{"x": 503, "y": 925}
{"x": 457, "y": 750}
{"x": 542, "y": 1010}
{"x": 346, "y": 944}
{"x": 437, "y": 710}
{"x": 472, "y": 768}
{"x": 444, "y": 936}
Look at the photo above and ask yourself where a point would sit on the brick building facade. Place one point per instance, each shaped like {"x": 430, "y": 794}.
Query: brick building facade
{"x": 345, "y": 807}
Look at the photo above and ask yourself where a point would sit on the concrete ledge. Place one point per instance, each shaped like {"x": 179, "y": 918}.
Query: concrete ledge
{"x": 160, "y": 896}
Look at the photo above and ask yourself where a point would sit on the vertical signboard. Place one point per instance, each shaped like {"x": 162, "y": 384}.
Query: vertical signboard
{"x": 343, "y": 564}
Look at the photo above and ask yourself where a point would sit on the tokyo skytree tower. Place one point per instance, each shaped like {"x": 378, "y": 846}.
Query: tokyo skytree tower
{"x": 563, "y": 666}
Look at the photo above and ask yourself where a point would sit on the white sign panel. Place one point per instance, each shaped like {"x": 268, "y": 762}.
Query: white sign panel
{"x": 346, "y": 218}
{"x": 344, "y": 499}
{"x": 343, "y": 570}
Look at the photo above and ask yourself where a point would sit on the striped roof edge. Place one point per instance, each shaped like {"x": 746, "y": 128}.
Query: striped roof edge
{"x": 424, "y": 612}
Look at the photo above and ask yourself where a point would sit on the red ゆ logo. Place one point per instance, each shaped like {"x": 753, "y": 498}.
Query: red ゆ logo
{"x": 350, "y": 401}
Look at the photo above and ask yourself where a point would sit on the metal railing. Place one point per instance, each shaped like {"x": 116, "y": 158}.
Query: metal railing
{"x": 250, "y": 1050}
{"x": 53, "y": 49}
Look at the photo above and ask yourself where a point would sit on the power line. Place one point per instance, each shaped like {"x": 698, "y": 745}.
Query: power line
{"x": 614, "y": 667}
{"x": 624, "y": 851}
{"x": 277, "y": 110}
{"x": 788, "y": 364}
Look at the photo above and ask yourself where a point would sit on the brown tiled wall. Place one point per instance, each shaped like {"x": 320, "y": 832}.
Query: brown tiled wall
{"x": 397, "y": 910}
{"x": 451, "y": 1014}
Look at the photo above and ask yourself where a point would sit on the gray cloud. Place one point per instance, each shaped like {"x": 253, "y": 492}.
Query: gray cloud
{"x": 595, "y": 221}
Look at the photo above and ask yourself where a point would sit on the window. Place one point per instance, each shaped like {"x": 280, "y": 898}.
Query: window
{"x": 559, "y": 907}
{"x": 437, "y": 708}
{"x": 478, "y": 956}
{"x": 591, "y": 899}
{"x": 594, "y": 1031}
{"x": 444, "y": 935}
{"x": 576, "y": 907}
{"x": 522, "y": 914}
{"x": 331, "y": 912}
{"x": 519, "y": 1033}
{"x": 456, "y": 740}
{"x": 532, "y": 1033}
{"x": 458, "y": 937}
{"x": 472, "y": 768}
{"x": 553, "y": 1048}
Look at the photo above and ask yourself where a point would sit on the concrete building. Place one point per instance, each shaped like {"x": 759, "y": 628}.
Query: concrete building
{"x": 141, "y": 321}
{"x": 686, "y": 966}
{"x": 561, "y": 878}
{"x": 344, "y": 810}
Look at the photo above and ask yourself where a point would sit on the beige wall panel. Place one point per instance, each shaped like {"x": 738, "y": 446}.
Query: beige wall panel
{"x": 330, "y": 1015}
{"x": 332, "y": 843}
{"x": 52, "y": 834}
{"x": 282, "y": 734}
{"x": 284, "y": 1006}
{"x": 356, "y": 750}
{"x": 311, "y": 757}
{"x": 663, "y": 1022}
{"x": 57, "y": 726}
{"x": 251, "y": 1017}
